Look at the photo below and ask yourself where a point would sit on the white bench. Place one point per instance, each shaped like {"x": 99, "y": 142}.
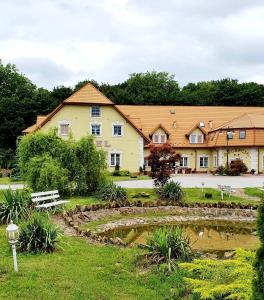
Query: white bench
{"x": 225, "y": 189}
{"x": 47, "y": 199}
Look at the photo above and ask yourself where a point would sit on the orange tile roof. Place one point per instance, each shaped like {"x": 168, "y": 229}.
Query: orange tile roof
{"x": 184, "y": 118}
{"x": 88, "y": 94}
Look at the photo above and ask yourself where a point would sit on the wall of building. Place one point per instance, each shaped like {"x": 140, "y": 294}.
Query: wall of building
{"x": 130, "y": 144}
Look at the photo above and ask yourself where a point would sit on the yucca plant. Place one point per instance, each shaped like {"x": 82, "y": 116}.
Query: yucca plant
{"x": 171, "y": 191}
{"x": 111, "y": 192}
{"x": 38, "y": 235}
{"x": 172, "y": 243}
{"x": 15, "y": 206}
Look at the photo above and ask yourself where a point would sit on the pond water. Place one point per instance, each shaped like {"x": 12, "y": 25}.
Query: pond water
{"x": 207, "y": 236}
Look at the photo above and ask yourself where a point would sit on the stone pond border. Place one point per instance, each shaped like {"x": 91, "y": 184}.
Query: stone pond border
{"x": 185, "y": 212}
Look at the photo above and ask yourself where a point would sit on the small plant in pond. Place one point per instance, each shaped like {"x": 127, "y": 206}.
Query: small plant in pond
{"x": 15, "y": 206}
{"x": 38, "y": 235}
{"x": 166, "y": 244}
{"x": 111, "y": 192}
{"x": 171, "y": 192}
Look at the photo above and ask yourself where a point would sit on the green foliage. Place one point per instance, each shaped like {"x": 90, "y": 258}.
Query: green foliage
{"x": 222, "y": 279}
{"x": 38, "y": 235}
{"x": 45, "y": 173}
{"x": 171, "y": 192}
{"x": 258, "y": 283}
{"x": 235, "y": 168}
{"x": 111, "y": 192}
{"x": 208, "y": 195}
{"x": 79, "y": 163}
{"x": 14, "y": 206}
{"x": 175, "y": 239}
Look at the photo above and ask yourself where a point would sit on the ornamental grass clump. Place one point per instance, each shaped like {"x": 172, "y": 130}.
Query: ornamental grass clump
{"x": 169, "y": 244}
{"x": 38, "y": 235}
{"x": 111, "y": 192}
{"x": 15, "y": 206}
{"x": 171, "y": 192}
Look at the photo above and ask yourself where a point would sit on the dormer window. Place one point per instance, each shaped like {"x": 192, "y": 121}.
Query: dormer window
{"x": 95, "y": 111}
{"x": 159, "y": 138}
{"x": 242, "y": 134}
{"x": 196, "y": 139}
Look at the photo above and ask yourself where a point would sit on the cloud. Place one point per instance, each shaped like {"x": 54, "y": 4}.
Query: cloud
{"x": 61, "y": 41}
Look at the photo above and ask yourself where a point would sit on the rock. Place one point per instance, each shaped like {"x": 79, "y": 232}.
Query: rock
{"x": 211, "y": 256}
{"x": 229, "y": 254}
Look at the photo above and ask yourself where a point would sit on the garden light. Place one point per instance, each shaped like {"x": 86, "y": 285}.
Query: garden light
{"x": 13, "y": 233}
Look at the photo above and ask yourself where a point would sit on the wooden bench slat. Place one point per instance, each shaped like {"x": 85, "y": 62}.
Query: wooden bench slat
{"x": 51, "y": 197}
{"x": 50, "y": 204}
{"x": 44, "y": 193}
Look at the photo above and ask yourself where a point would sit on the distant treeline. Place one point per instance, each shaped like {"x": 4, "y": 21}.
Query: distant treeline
{"x": 21, "y": 101}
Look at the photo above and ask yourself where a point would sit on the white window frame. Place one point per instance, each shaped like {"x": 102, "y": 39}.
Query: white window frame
{"x": 114, "y": 153}
{"x": 64, "y": 122}
{"x": 96, "y": 124}
{"x": 184, "y": 161}
{"x": 91, "y": 111}
{"x": 203, "y": 157}
{"x": 194, "y": 138}
{"x": 113, "y": 129}
{"x": 159, "y": 138}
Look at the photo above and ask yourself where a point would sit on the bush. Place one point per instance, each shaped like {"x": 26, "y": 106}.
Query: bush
{"x": 124, "y": 173}
{"x": 208, "y": 195}
{"x": 171, "y": 192}
{"x": 235, "y": 168}
{"x": 258, "y": 283}
{"x": 45, "y": 174}
{"x": 111, "y": 192}
{"x": 226, "y": 279}
{"x": 173, "y": 238}
{"x": 80, "y": 161}
{"x": 15, "y": 206}
{"x": 116, "y": 173}
{"x": 38, "y": 235}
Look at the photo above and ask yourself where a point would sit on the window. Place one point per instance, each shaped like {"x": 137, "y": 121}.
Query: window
{"x": 96, "y": 111}
{"x": 215, "y": 161}
{"x": 203, "y": 162}
{"x": 115, "y": 159}
{"x": 96, "y": 129}
{"x": 162, "y": 138}
{"x": 242, "y": 134}
{"x": 117, "y": 130}
{"x": 64, "y": 129}
{"x": 196, "y": 139}
{"x": 184, "y": 162}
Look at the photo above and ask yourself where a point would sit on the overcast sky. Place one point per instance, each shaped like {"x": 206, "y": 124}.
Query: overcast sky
{"x": 56, "y": 42}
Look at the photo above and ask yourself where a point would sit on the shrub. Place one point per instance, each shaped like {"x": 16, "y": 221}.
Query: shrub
{"x": 111, "y": 192}
{"x": 124, "y": 173}
{"x": 116, "y": 173}
{"x": 15, "y": 206}
{"x": 45, "y": 173}
{"x": 38, "y": 235}
{"x": 220, "y": 170}
{"x": 171, "y": 192}
{"x": 226, "y": 279}
{"x": 208, "y": 195}
{"x": 258, "y": 283}
{"x": 173, "y": 238}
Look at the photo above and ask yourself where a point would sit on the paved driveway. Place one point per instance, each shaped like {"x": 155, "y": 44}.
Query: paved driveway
{"x": 197, "y": 179}
{"x": 12, "y": 186}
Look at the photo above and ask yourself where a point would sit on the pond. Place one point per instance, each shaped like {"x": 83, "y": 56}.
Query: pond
{"x": 209, "y": 236}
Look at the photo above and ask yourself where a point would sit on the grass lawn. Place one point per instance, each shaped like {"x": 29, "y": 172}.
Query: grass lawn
{"x": 82, "y": 271}
{"x": 128, "y": 178}
{"x": 7, "y": 180}
{"x": 255, "y": 192}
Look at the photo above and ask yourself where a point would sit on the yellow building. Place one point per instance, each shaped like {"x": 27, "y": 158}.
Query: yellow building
{"x": 205, "y": 136}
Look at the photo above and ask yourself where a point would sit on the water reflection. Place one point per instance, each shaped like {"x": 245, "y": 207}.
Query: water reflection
{"x": 205, "y": 235}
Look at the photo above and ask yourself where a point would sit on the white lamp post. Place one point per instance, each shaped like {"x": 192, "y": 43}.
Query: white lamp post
{"x": 202, "y": 186}
{"x": 12, "y": 231}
